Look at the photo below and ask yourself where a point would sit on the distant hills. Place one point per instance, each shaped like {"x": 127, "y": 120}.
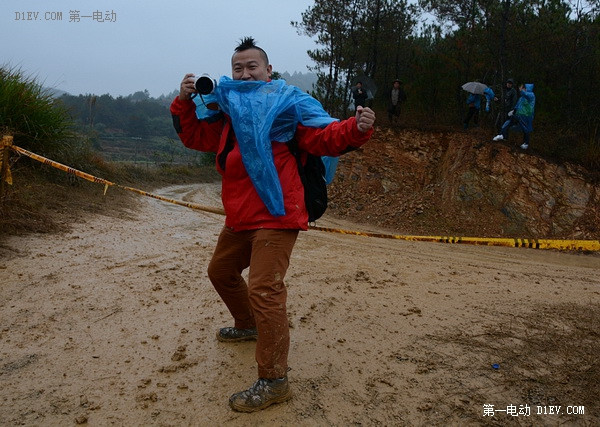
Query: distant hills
{"x": 304, "y": 81}
{"x": 55, "y": 93}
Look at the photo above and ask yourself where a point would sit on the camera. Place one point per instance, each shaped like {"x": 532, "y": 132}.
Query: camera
{"x": 205, "y": 84}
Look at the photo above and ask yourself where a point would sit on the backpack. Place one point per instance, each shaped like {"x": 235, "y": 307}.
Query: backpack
{"x": 312, "y": 175}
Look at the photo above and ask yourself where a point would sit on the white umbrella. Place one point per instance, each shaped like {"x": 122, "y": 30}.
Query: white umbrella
{"x": 474, "y": 87}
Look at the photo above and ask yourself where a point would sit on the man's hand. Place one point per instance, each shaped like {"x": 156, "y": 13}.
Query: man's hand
{"x": 365, "y": 117}
{"x": 187, "y": 87}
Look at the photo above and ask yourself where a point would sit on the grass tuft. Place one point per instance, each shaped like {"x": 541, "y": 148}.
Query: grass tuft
{"x": 30, "y": 114}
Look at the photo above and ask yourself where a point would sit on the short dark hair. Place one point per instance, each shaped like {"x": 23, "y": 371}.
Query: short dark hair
{"x": 249, "y": 43}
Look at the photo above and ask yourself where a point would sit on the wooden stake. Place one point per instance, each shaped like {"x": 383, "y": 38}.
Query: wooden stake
{"x": 7, "y": 142}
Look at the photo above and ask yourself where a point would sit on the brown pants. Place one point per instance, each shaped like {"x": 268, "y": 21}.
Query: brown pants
{"x": 262, "y": 302}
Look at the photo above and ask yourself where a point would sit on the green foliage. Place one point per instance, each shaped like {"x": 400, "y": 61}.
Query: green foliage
{"x": 134, "y": 129}
{"x": 136, "y": 115}
{"x": 554, "y": 44}
{"x": 29, "y": 113}
{"x": 154, "y": 150}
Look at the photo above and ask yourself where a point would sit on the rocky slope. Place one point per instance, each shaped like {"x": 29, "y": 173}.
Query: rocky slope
{"x": 444, "y": 183}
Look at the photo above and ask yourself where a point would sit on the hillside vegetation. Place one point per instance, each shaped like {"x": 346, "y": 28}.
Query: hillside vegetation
{"x": 435, "y": 46}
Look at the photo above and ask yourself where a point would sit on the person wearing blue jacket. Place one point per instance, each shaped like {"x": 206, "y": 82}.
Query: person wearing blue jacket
{"x": 521, "y": 116}
{"x": 474, "y": 103}
{"x": 489, "y": 97}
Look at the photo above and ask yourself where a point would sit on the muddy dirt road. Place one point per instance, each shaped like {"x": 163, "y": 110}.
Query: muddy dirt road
{"x": 114, "y": 324}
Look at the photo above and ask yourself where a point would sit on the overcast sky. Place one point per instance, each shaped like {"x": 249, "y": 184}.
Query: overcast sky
{"x": 124, "y": 46}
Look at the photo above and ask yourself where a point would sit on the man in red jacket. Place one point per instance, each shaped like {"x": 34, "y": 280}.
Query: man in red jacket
{"x": 256, "y": 236}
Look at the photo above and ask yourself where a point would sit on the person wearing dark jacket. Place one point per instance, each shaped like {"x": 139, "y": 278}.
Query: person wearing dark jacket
{"x": 259, "y": 234}
{"x": 510, "y": 96}
{"x": 474, "y": 104}
{"x": 521, "y": 116}
{"x": 510, "y": 100}
{"x": 396, "y": 98}
{"x": 360, "y": 95}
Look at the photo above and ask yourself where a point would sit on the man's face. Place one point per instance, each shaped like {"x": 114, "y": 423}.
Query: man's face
{"x": 250, "y": 64}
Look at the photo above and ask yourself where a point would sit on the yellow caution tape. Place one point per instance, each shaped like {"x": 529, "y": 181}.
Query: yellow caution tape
{"x": 62, "y": 167}
{"x": 571, "y": 245}
{"x": 107, "y": 183}
{"x": 219, "y": 211}
{"x": 579, "y": 245}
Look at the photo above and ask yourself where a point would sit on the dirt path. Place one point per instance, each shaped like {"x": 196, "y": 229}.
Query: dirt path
{"x": 113, "y": 324}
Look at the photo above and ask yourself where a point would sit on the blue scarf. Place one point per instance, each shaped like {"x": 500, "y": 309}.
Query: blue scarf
{"x": 262, "y": 112}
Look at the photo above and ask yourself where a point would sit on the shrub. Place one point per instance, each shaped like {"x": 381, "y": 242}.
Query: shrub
{"x": 29, "y": 113}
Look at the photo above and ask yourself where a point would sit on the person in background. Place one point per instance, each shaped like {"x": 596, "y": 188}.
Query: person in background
{"x": 474, "y": 103}
{"x": 510, "y": 97}
{"x": 510, "y": 100}
{"x": 396, "y": 98}
{"x": 257, "y": 236}
{"x": 521, "y": 116}
{"x": 489, "y": 96}
{"x": 360, "y": 95}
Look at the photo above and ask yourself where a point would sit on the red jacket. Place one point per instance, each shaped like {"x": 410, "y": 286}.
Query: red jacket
{"x": 243, "y": 207}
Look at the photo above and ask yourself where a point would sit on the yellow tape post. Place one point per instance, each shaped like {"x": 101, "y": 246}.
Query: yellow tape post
{"x": 579, "y": 245}
{"x": 5, "y": 175}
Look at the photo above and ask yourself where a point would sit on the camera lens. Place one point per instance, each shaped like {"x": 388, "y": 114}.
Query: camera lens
{"x": 205, "y": 85}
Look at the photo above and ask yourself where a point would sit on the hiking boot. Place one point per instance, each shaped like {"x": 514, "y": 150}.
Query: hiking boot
{"x": 524, "y": 146}
{"x": 498, "y": 138}
{"x": 236, "y": 335}
{"x": 264, "y": 392}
